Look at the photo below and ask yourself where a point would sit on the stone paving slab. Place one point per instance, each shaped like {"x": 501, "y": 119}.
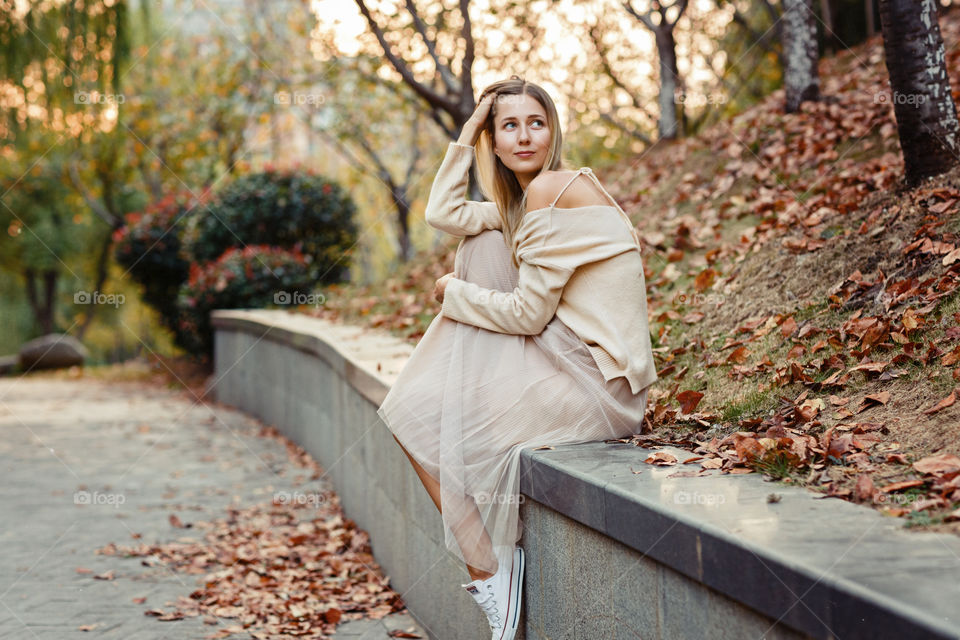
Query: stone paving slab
{"x": 135, "y": 454}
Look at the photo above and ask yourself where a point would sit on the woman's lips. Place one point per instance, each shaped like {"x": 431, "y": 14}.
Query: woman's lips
{"x": 525, "y": 154}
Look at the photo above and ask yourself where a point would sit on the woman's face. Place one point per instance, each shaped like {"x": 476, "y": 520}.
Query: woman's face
{"x": 521, "y": 134}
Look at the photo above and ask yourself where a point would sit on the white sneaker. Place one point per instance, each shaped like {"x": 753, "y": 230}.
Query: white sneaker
{"x": 499, "y": 595}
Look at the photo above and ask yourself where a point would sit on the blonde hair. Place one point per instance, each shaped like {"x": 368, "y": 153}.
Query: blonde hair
{"x": 497, "y": 182}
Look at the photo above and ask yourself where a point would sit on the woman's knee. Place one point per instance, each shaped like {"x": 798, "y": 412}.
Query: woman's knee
{"x": 486, "y": 242}
{"x": 485, "y": 260}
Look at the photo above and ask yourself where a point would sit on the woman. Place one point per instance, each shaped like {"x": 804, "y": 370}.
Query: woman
{"x": 542, "y": 336}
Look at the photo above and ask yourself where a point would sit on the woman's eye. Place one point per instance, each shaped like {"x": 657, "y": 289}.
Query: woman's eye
{"x": 510, "y": 123}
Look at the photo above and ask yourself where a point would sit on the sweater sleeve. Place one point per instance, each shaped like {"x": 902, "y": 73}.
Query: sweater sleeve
{"x": 525, "y": 311}
{"x": 447, "y": 209}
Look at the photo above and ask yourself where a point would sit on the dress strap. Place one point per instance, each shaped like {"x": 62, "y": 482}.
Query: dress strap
{"x": 623, "y": 214}
{"x": 569, "y": 182}
{"x": 596, "y": 181}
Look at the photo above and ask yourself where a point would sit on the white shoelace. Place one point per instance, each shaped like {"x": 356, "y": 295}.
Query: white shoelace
{"x": 489, "y": 606}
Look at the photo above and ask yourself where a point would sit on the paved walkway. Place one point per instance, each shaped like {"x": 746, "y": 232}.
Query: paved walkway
{"x": 142, "y": 453}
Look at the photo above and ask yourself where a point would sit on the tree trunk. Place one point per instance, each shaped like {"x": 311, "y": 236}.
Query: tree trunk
{"x": 830, "y": 39}
{"x": 920, "y": 88}
{"x": 871, "y": 25}
{"x": 403, "y": 222}
{"x": 103, "y": 262}
{"x": 41, "y": 302}
{"x": 801, "y": 78}
{"x": 667, "y": 53}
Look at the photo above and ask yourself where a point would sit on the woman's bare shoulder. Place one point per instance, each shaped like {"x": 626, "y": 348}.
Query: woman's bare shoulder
{"x": 545, "y": 187}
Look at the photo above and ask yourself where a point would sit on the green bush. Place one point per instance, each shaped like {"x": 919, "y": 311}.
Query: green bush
{"x": 241, "y": 278}
{"x": 149, "y": 247}
{"x": 291, "y": 210}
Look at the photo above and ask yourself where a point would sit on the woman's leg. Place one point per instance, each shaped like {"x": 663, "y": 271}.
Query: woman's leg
{"x": 484, "y": 260}
{"x": 433, "y": 488}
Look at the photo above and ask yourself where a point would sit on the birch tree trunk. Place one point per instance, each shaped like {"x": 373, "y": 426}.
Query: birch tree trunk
{"x": 920, "y": 88}
{"x": 801, "y": 78}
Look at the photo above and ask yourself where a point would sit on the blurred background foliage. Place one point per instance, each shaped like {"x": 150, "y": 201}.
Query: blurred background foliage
{"x": 117, "y": 111}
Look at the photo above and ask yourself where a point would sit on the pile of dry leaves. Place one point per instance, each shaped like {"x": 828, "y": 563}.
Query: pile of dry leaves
{"x": 289, "y": 568}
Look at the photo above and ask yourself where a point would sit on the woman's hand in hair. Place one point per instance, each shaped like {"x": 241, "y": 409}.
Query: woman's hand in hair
{"x": 470, "y": 132}
{"x": 441, "y": 286}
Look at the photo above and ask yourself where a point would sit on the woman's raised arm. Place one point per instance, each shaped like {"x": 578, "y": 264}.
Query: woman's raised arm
{"x": 447, "y": 207}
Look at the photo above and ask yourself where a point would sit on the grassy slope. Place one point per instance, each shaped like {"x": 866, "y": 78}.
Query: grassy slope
{"x": 772, "y": 239}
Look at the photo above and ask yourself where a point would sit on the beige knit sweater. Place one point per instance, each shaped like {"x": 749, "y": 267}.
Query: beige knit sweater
{"x": 581, "y": 264}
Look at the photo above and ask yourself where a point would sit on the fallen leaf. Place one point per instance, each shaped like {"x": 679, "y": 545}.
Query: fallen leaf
{"x": 662, "y": 458}
{"x": 873, "y": 400}
{"x": 897, "y": 486}
{"x": 943, "y": 404}
{"x": 938, "y": 464}
{"x": 864, "y": 489}
{"x": 689, "y": 400}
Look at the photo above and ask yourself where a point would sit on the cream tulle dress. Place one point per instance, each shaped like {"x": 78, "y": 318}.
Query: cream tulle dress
{"x": 469, "y": 399}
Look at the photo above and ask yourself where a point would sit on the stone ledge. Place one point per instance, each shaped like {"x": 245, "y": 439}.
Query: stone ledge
{"x": 864, "y": 577}
{"x": 369, "y": 360}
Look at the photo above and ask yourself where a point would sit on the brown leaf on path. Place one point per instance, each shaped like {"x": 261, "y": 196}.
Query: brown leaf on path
{"x": 704, "y": 279}
{"x": 873, "y": 400}
{"x": 106, "y": 575}
{"x": 689, "y": 400}
{"x": 397, "y": 633}
{"x": 738, "y": 355}
{"x": 910, "y": 319}
{"x": 88, "y": 627}
{"x": 953, "y": 516}
{"x": 873, "y": 367}
{"x": 175, "y": 521}
{"x": 748, "y": 449}
{"x": 938, "y": 464}
{"x": 693, "y": 459}
{"x": 905, "y": 484}
{"x": 951, "y": 357}
{"x": 943, "y": 404}
{"x": 662, "y": 458}
{"x": 788, "y": 327}
{"x": 546, "y": 446}
{"x": 864, "y": 489}
{"x": 84, "y": 570}
{"x": 711, "y": 463}
{"x": 140, "y": 600}
{"x": 840, "y": 446}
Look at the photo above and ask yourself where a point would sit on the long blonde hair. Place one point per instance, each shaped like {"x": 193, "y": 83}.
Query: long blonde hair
{"x": 496, "y": 181}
